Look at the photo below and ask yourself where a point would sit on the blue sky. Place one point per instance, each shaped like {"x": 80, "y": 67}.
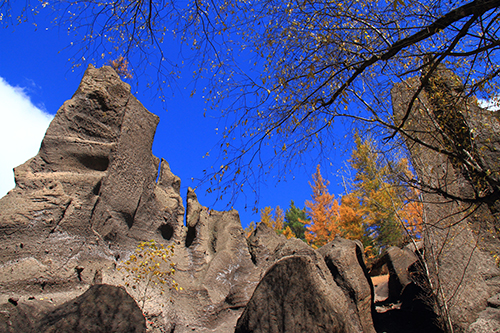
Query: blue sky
{"x": 36, "y": 78}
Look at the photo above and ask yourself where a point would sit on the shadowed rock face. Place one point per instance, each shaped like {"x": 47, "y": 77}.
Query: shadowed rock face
{"x": 294, "y": 297}
{"x": 305, "y": 290}
{"x": 91, "y": 194}
{"x": 102, "y": 308}
{"x": 459, "y": 238}
{"x": 399, "y": 261}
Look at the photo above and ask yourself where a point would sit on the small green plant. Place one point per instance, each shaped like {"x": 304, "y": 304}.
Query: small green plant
{"x": 150, "y": 264}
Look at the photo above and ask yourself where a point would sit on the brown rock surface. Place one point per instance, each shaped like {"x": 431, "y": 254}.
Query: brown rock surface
{"x": 344, "y": 258}
{"x": 459, "y": 238}
{"x": 295, "y": 296}
{"x": 82, "y": 205}
{"x": 398, "y": 262}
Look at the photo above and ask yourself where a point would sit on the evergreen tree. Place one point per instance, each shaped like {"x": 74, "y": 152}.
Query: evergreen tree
{"x": 293, "y": 217}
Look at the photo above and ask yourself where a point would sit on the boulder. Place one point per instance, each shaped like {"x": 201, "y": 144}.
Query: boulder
{"x": 344, "y": 258}
{"x": 295, "y": 295}
{"x": 399, "y": 262}
{"x": 303, "y": 289}
{"x": 23, "y": 315}
{"x": 263, "y": 243}
{"x": 102, "y": 308}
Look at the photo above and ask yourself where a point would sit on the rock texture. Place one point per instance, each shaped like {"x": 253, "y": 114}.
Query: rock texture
{"x": 102, "y": 308}
{"x": 294, "y": 297}
{"x": 344, "y": 259}
{"x": 399, "y": 262}
{"x": 460, "y": 237}
{"x": 215, "y": 269}
{"x": 298, "y": 293}
{"x": 91, "y": 194}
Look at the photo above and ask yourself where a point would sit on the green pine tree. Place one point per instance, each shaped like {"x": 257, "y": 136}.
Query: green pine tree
{"x": 292, "y": 216}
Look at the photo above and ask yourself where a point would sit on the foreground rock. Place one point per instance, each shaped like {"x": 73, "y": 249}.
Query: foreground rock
{"x": 303, "y": 292}
{"x": 399, "y": 263}
{"x": 461, "y": 236}
{"x": 294, "y": 297}
{"x": 345, "y": 261}
{"x": 102, "y": 308}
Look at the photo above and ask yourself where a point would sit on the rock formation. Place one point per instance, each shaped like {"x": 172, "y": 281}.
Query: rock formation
{"x": 101, "y": 309}
{"x": 84, "y": 202}
{"x": 399, "y": 262}
{"x": 345, "y": 261}
{"x": 461, "y": 233}
{"x": 301, "y": 291}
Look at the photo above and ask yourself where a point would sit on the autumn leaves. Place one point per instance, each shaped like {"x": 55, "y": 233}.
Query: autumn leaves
{"x": 379, "y": 208}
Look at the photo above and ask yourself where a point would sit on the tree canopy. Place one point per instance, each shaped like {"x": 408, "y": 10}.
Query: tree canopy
{"x": 380, "y": 209}
{"x": 282, "y": 73}
{"x": 323, "y": 209}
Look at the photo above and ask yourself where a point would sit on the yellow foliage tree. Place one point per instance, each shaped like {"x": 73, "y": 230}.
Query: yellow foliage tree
{"x": 274, "y": 221}
{"x": 266, "y": 216}
{"x": 390, "y": 209}
{"x": 351, "y": 217}
{"x": 323, "y": 210}
{"x": 150, "y": 266}
{"x": 288, "y": 233}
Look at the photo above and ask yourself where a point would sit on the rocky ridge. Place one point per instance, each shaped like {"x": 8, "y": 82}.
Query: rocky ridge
{"x": 91, "y": 194}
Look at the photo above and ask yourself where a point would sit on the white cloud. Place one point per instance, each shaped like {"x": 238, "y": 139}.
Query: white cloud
{"x": 492, "y": 104}
{"x": 22, "y": 127}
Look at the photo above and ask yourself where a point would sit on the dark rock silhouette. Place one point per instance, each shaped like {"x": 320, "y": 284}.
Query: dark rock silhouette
{"x": 101, "y": 309}
{"x": 294, "y": 296}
